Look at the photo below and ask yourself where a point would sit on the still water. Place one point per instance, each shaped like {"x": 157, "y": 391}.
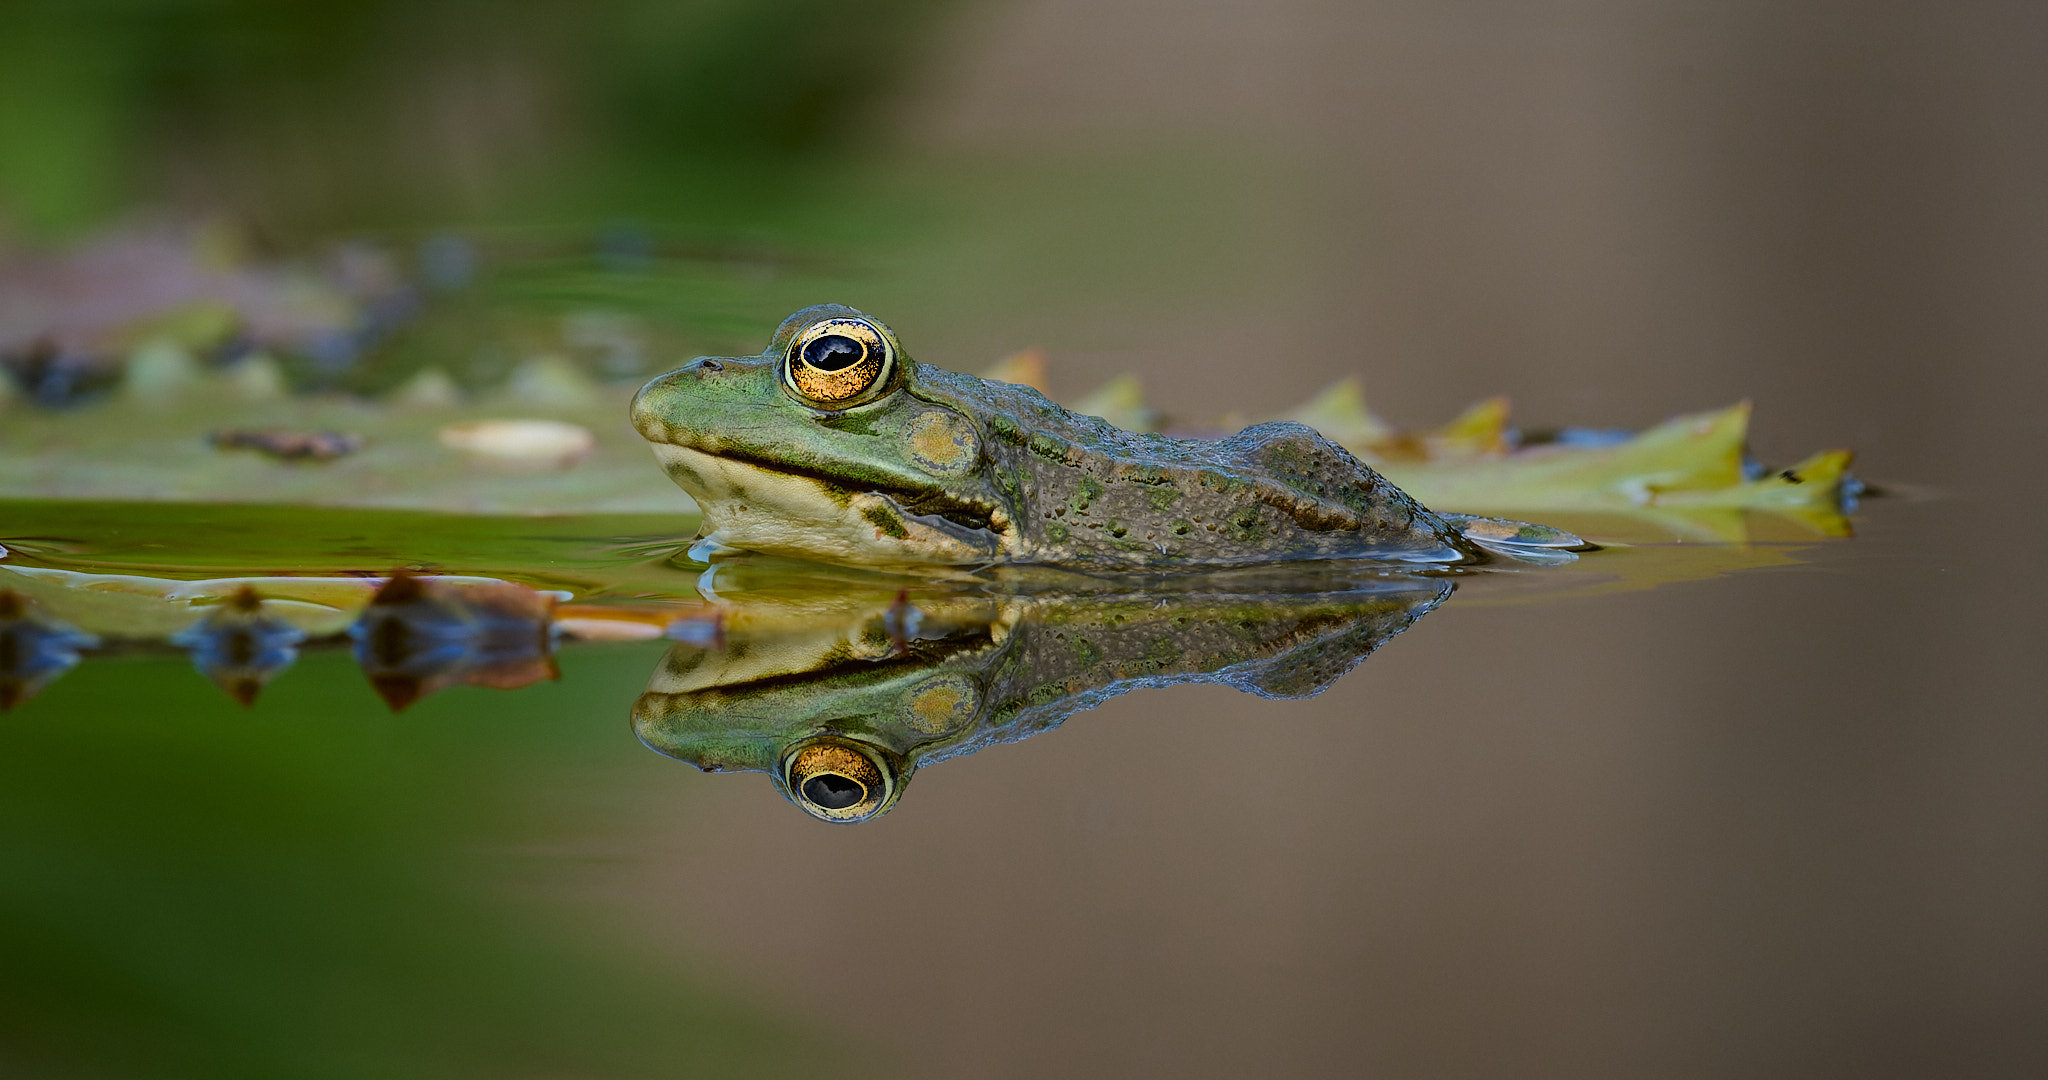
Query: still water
{"x": 1675, "y": 807}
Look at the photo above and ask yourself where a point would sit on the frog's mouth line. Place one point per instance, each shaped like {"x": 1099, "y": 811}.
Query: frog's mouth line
{"x": 918, "y": 655}
{"x": 968, "y": 516}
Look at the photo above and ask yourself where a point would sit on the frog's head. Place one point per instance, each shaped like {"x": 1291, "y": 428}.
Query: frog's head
{"x": 825, "y": 446}
{"x": 835, "y": 715}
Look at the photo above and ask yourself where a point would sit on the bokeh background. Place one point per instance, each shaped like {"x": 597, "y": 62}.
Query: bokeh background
{"x": 1610, "y": 212}
{"x": 1783, "y": 823}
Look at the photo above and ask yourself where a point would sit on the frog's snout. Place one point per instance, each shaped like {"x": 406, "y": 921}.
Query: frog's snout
{"x": 653, "y": 407}
{"x": 645, "y": 406}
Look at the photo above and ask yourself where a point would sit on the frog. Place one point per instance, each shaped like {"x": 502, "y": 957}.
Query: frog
{"x": 834, "y": 445}
{"x": 841, "y": 710}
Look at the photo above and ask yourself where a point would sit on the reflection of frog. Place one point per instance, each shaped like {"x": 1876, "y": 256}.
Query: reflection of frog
{"x": 841, "y": 713}
{"x": 835, "y": 445}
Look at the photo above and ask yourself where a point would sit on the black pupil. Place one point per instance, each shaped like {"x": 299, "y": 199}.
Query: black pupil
{"x": 833, "y": 792}
{"x": 833, "y": 352}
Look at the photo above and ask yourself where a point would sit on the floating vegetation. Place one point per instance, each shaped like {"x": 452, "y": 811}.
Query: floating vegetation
{"x": 1478, "y": 463}
{"x": 34, "y": 648}
{"x": 196, "y": 578}
{"x": 537, "y": 444}
{"x": 417, "y": 636}
{"x": 288, "y": 445}
{"x": 838, "y": 683}
{"x": 141, "y": 305}
{"x": 240, "y": 646}
{"x": 522, "y": 358}
{"x": 1687, "y": 464}
{"x": 412, "y": 634}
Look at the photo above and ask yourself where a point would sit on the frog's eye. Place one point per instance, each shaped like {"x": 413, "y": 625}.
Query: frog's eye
{"x": 837, "y": 363}
{"x": 838, "y": 780}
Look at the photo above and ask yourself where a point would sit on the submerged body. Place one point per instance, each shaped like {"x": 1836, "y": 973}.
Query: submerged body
{"x": 835, "y": 445}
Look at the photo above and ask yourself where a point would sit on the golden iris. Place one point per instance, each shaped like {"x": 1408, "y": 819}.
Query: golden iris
{"x": 836, "y": 781}
{"x": 835, "y": 362}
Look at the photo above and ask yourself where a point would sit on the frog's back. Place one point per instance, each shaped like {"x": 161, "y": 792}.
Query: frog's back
{"x": 1089, "y": 492}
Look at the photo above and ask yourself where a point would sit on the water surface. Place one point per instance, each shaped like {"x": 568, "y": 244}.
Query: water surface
{"x": 1715, "y": 820}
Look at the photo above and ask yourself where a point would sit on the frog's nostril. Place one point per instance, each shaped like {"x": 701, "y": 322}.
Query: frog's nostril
{"x": 710, "y": 365}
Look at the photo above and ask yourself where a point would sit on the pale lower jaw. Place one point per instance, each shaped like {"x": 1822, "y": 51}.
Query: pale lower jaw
{"x": 758, "y": 509}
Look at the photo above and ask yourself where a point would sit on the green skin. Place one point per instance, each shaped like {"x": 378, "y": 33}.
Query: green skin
{"x": 944, "y": 468}
{"x": 1010, "y": 669}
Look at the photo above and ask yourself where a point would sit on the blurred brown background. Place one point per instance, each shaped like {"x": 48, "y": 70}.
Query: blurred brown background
{"x": 1787, "y": 824}
{"x": 1605, "y": 210}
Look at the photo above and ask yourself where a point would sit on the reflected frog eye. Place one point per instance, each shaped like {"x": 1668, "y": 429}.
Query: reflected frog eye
{"x": 838, "y": 780}
{"x": 837, "y": 363}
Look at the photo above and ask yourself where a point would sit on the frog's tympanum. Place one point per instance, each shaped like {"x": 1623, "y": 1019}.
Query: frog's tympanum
{"x": 841, "y": 715}
{"x": 835, "y": 445}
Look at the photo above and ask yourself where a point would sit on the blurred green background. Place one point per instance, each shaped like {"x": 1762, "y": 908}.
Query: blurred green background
{"x": 689, "y": 171}
{"x": 318, "y": 888}
{"x": 314, "y": 116}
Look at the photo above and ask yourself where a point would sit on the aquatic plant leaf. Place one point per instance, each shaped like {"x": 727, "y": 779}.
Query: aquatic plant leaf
{"x": 240, "y": 646}
{"x": 1480, "y": 429}
{"x": 418, "y": 635}
{"x": 157, "y": 449}
{"x": 1340, "y": 414}
{"x": 34, "y": 648}
{"x": 1679, "y": 472}
{"x": 1024, "y": 368}
{"x": 151, "y": 444}
{"x": 1121, "y": 401}
{"x": 1688, "y": 463}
